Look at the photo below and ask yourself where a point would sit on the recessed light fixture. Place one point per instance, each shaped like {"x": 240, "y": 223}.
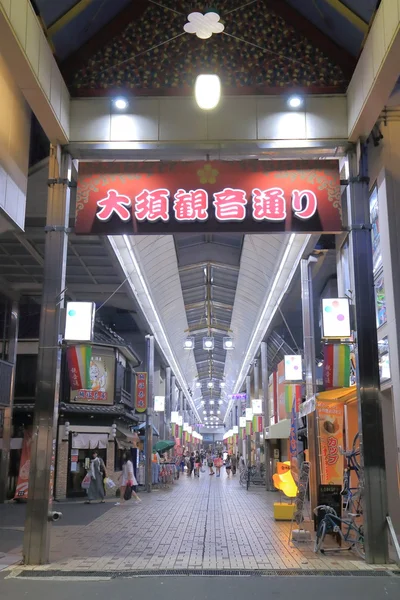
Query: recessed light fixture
{"x": 219, "y": 401}
{"x": 210, "y": 384}
{"x": 198, "y": 384}
{"x": 295, "y": 101}
{"x": 204, "y": 412}
{"x": 320, "y": 363}
{"x": 121, "y": 103}
{"x": 211, "y": 401}
{"x": 227, "y": 343}
{"x": 222, "y": 384}
{"x": 211, "y": 412}
{"x": 208, "y": 343}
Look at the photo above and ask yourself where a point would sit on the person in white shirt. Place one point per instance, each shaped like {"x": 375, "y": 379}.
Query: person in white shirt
{"x": 128, "y": 479}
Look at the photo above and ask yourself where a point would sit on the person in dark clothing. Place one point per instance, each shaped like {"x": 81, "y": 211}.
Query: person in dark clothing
{"x": 191, "y": 464}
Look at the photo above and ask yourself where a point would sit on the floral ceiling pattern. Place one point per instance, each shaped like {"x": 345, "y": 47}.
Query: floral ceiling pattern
{"x": 153, "y": 55}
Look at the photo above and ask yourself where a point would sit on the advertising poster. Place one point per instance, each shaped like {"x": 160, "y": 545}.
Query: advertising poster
{"x": 280, "y": 390}
{"x": 330, "y": 429}
{"x": 92, "y": 374}
{"x": 21, "y": 492}
{"x": 380, "y": 301}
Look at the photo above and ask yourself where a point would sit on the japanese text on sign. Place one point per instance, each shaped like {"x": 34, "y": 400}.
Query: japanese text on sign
{"x": 229, "y": 205}
{"x": 141, "y": 392}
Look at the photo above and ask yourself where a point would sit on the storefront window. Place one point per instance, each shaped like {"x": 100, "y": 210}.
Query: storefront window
{"x": 375, "y": 232}
{"x": 384, "y": 359}
{"x": 380, "y": 299}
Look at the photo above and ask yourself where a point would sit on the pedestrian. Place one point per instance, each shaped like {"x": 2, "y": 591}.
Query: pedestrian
{"x": 228, "y": 466}
{"x": 97, "y": 472}
{"x": 197, "y": 464}
{"x": 182, "y": 464}
{"x": 210, "y": 464}
{"x": 191, "y": 463}
{"x": 234, "y": 463}
{"x": 128, "y": 479}
{"x": 218, "y": 464}
{"x": 242, "y": 464}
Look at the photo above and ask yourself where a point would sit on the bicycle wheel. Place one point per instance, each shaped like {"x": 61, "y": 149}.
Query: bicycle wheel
{"x": 356, "y": 450}
{"x": 359, "y": 546}
{"x": 320, "y": 536}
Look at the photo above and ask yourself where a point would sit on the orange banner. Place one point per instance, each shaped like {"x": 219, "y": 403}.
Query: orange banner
{"x": 330, "y": 427}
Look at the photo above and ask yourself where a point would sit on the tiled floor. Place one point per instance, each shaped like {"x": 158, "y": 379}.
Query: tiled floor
{"x": 211, "y": 523}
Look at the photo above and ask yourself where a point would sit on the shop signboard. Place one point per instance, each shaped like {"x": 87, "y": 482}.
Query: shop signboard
{"x": 337, "y": 365}
{"x": 117, "y": 198}
{"x": 242, "y": 422}
{"x": 329, "y": 495}
{"x": 272, "y": 399}
{"x": 293, "y": 367}
{"x": 92, "y": 374}
{"x": 336, "y": 318}
{"x": 330, "y": 429}
{"x": 257, "y": 406}
{"x": 238, "y": 396}
{"x": 159, "y": 403}
{"x": 79, "y": 321}
{"x": 141, "y": 392}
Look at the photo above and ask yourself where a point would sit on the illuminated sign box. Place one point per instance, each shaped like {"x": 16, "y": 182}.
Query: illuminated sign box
{"x": 336, "y": 318}
{"x": 249, "y": 414}
{"x": 159, "y": 403}
{"x": 257, "y": 406}
{"x": 293, "y": 367}
{"x": 79, "y": 321}
{"x": 242, "y": 421}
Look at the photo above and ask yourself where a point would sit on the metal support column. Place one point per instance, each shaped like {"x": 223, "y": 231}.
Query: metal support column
{"x": 367, "y": 365}
{"x": 248, "y": 437}
{"x": 41, "y": 475}
{"x": 309, "y": 362}
{"x": 149, "y": 411}
{"x": 168, "y": 404}
{"x": 8, "y": 410}
{"x": 267, "y": 443}
{"x": 174, "y": 399}
{"x": 256, "y": 379}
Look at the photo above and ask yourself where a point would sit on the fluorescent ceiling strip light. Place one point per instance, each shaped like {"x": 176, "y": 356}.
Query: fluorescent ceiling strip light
{"x": 260, "y": 330}
{"x": 153, "y": 319}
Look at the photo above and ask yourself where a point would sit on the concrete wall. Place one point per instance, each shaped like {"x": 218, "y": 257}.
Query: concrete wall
{"x": 14, "y": 150}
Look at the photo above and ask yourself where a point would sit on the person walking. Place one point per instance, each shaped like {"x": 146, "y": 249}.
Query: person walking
{"x": 218, "y": 464}
{"x": 197, "y": 465}
{"x": 210, "y": 463}
{"x": 228, "y": 466}
{"x": 191, "y": 464}
{"x": 97, "y": 472}
{"x": 128, "y": 479}
{"x": 234, "y": 464}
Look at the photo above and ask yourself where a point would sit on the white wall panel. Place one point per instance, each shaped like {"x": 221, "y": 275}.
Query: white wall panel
{"x": 55, "y": 90}
{"x": 181, "y": 119}
{"x": 32, "y": 41}
{"x": 6, "y": 4}
{"x": 18, "y": 18}
{"x": 90, "y": 120}
{"x": 233, "y": 119}
{"x": 317, "y": 109}
{"x": 390, "y": 20}
{"x": 45, "y": 66}
{"x": 138, "y": 122}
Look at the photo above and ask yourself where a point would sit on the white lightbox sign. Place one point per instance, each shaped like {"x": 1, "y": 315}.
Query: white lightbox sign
{"x": 180, "y": 420}
{"x": 242, "y": 421}
{"x": 159, "y": 403}
{"x": 249, "y": 414}
{"x": 336, "y": 318}
{"x": 257, "y": 406}
{"x": 293, "y": 367}
{"x": 235, "y": 429}
{"x": 79, "y": 321}
{"x": 174, "y": 416}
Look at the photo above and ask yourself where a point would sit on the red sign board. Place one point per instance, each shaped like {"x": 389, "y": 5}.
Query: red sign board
{"x": 245, "y": 196}
{"x": 141, "y": 392}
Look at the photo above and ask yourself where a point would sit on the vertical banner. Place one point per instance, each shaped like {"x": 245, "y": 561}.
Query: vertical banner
{"x": 249, "y": 427}
{"x": 330, "y": 429}
{"x": 336, "y": 366}
{"x": 141, "y": 392}
{"x": 292, "y": 394}
{"x": 280, "y": 391}
{"x": 258, "y": 424}
{"x": 21, "y": 492}
{"x": 293, "y": 443}
{"x": 78, "y": 359}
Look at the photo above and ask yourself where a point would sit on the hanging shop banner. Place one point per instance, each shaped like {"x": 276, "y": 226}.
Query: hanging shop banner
{"x": 272, "y": 399}
{"x": 286, "y": 393}
{"x": 258, "y": 424}
{"x": 280, "y": 391}
{"x": 330, "y": 428}
{"x": 21, "y": 491}
{"x": 293, "y": 367}
{"x": 257, "y": 406}
{"x": 91, "y": 374}
{"x": 336, "y": 366}
{"x": 336, "y": 318}
{"x": 220, "y": 196}
{"x": 242, "y": 422}
{"x": 141, "y": 392}
{"x": 159, "y": 403}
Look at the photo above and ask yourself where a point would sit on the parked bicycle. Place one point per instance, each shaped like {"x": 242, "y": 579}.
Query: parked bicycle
{"x": 352, "y": 495}
{"x": 350, "y": 533}
{"x": 255, "y": 476}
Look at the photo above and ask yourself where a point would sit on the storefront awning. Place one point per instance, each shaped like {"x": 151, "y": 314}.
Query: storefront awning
{"x": 142, "y": 427}
{"x": 126, "y": 438}
{"x": 339, "y": 395}
{"x": 279, "y": 431}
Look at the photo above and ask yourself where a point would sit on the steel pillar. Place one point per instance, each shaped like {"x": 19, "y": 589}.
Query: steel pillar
{"x": 367, "y": 365}
{"x": 309, "y": 361}
{"x": 167, "y": 412}
{"x": 149, "y": 411}
{"x": 248, "y": 437}
{"x": 8, "y": 410}
{"x": 41, "y": 475}
{"x": 264, "y": 387}
{"x": 174, "y": 399}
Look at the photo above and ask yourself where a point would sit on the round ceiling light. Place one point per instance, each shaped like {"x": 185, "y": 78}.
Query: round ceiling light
{"x": 207, "y": 91}
{"x": 120, "y": 103}
{"x": 295, "y": 101}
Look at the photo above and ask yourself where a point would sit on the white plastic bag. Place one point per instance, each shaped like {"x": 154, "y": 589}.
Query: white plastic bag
{"x": 109, "y": 483}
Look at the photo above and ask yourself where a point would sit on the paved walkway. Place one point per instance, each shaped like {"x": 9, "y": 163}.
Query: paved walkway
{"x": 210, "y": 523}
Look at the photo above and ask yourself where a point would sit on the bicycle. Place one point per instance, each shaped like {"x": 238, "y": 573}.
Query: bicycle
{"x": 332, "y": 523}
{"x": 351, "y": 495}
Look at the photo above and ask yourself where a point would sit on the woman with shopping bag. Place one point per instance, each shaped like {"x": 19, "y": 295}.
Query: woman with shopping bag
{"x": 128, "y": 481}
{"x": 97, "y": 473}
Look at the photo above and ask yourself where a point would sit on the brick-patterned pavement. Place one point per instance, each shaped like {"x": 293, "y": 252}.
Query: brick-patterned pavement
{"x": 206, "y": 523}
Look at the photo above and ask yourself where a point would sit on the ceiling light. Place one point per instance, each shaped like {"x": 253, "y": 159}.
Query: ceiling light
{"x": 211, "y": 412}
{"x": 218, "y": 412}
{"x": 320, "y": 363}
{"x": 198, "y": 384}
{"x": 188, "y": 344}
{"x": 295, "y": 101}
{"x": 210, "y": 384}
{"x": 227, "y": 343}
{"x": 204, "y": 412}
{"x": 222, "y": 384}
{"x": 207, "y": 91}
{"x": 208, "y": 343}
{"x": 211, "y": 401}
{"x": 121, "y": 103}
{"x": 219, "y": 401}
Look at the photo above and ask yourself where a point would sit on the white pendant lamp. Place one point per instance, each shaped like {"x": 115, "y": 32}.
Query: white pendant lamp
{"x": 207, "y": 91}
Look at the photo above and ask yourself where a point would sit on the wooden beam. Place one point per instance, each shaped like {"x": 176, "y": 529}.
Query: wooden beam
{"x": 68, "y": 16}
{"x": 349, "y": 15}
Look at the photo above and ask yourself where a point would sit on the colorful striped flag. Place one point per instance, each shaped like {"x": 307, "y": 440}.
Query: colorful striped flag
{"x": 258, "y": 423}
{"x": 336, "y": 366}
{"x": 78, "y": 359}
{"x": 292, "y": 392}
